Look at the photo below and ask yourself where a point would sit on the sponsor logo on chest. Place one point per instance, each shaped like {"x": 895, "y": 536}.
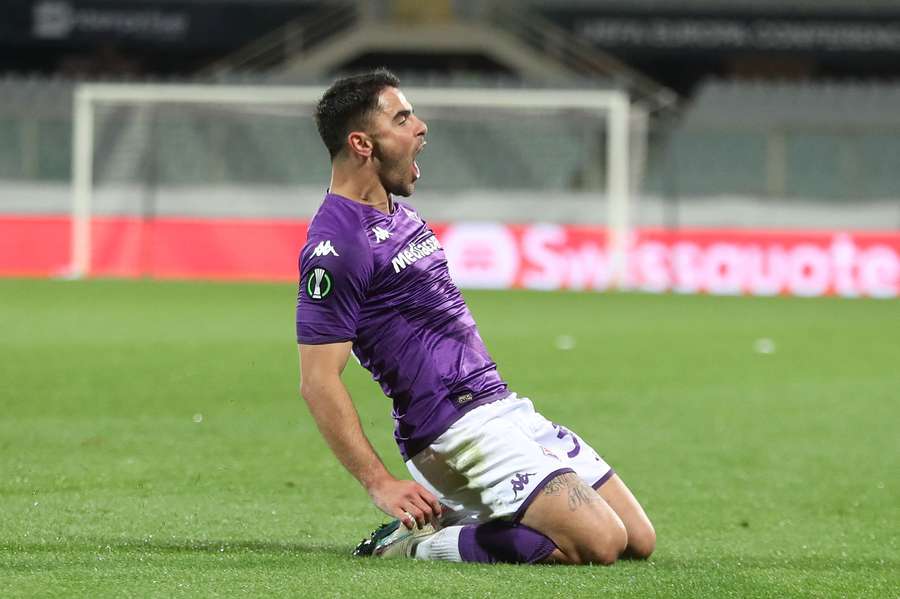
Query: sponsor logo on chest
{"x": 415, "y": 252}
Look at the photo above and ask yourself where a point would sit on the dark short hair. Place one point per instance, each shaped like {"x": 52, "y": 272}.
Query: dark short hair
{"x": 347, "y": 104}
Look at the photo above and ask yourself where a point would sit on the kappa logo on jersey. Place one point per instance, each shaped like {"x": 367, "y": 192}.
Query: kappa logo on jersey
{"x": 414, "y": 253}
{"x": 319, "y": 284}
{"x": 380, "y": 234}
{"x": 324, "y": 248}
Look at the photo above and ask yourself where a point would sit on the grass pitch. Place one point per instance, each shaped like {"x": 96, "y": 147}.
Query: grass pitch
{"x": 152, "y": 444}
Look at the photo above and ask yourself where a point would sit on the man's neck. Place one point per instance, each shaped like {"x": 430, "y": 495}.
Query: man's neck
{"x": 363, "y": 190}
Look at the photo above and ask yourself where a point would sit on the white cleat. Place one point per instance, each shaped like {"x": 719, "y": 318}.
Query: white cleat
{"x": 402, "y": 542}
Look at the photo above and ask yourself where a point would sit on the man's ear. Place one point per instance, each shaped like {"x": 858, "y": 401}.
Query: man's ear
{"x": 360, "y": 143}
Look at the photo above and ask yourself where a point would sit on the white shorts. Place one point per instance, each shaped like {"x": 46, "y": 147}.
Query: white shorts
{"x": 492, "y": 462}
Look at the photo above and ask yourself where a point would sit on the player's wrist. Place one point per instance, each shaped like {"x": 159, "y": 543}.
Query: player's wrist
{"x": 377, "y": 482}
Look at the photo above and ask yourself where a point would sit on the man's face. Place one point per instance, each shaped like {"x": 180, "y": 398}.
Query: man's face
{"x": 398, "y": 135}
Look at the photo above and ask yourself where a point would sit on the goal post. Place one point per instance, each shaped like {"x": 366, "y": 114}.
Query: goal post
{"x": 611, "y": 106}
{"x": 88, "y": 96}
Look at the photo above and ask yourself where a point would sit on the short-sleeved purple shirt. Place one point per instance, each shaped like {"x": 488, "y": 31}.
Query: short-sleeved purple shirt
{"x": 381, "y": 281}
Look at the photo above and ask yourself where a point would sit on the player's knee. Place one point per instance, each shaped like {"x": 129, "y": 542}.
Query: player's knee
{"x": 603, "y": 555}
{"x": 604, "y": 552}
{"x": 602, "y": 548}
{"x": 641, "y": 542}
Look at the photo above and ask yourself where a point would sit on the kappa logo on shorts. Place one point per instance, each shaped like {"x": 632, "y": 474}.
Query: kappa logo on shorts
{"x": 318, "y": 284}
{"x": 519, "y": 482}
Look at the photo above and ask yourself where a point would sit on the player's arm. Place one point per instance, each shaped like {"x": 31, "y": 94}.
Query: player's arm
{"x": 335, "y": 415}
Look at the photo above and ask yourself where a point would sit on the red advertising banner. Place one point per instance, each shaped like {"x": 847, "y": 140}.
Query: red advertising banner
{"x": 484, "y": 255}
{"x": 168, "y": 248}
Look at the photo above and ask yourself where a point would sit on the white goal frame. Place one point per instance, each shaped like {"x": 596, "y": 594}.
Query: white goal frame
{"x": 614, "y": 104}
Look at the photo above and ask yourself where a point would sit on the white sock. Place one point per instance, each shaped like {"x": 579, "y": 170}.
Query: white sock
{"x": 442, "y": 545}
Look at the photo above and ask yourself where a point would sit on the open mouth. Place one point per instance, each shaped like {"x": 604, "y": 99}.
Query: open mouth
{"x": 416, "y": 171}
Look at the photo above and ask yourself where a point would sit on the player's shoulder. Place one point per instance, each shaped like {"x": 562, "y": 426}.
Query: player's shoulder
{"x": 337, "y": 215}
{"x": 338, "y": 225}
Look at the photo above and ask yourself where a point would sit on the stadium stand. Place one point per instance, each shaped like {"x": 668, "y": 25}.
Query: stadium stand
{"x": 826, "y": 141}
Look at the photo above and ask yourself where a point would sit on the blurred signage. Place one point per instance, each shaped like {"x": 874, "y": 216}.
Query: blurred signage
{"x": 738, "y": 35}
{"x": 177, "y": 23}
{"x": 484, "y": 255}
{"x": 754, "y": 32}
{"x": 59, "y": 19}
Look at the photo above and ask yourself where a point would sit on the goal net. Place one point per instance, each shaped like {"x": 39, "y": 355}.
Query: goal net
{"x": 151, "y": 152}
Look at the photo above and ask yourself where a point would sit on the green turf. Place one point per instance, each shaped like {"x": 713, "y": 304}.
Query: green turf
{"x": 766, "y": 475}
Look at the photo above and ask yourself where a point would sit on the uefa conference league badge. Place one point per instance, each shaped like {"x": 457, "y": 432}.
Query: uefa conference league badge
{"x": 318, "y": 283}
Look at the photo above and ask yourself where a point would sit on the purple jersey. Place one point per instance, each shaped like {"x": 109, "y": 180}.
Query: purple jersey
{"x": 381, "y": 281}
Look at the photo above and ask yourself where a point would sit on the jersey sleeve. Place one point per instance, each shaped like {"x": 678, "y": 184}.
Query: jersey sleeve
{"x": 335, "y": 275}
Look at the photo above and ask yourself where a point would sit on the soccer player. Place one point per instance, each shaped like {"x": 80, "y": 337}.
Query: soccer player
{"x": 494, "y": 481}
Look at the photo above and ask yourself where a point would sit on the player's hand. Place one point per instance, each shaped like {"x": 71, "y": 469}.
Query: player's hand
{"x": 408, "y": 501}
